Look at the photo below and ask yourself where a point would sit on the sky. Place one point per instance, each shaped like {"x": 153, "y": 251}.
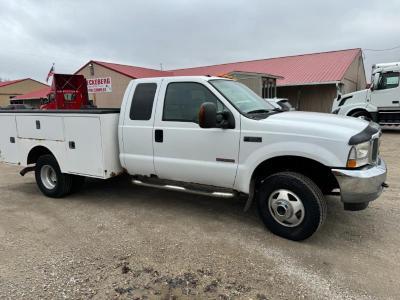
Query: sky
{"x": 187, "y": 33}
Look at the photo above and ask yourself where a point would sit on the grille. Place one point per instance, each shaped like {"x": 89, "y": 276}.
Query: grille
{"x": 375, "y": 150}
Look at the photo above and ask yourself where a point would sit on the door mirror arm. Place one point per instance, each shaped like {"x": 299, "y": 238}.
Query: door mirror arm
{"x": 226, "y": 120}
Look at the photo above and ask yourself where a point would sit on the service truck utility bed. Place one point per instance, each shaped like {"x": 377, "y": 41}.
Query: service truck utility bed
{"x": 84, "y": 142}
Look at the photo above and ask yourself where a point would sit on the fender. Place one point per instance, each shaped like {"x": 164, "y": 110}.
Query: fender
{"x": 328, "y": 157}
{"x": 349, "y": 109}
{"x": 51, "y": 147}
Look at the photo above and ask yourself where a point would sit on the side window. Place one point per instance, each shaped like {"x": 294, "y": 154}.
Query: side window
{"x": 183, "y": 100}
{"x": 142, "y": 101}
{"x": 389, "y": 80}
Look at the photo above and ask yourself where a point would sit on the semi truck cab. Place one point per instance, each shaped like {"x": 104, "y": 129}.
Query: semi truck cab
{"x": 380, "y": 103}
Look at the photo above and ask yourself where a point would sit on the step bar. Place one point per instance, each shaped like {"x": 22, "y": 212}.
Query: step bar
{"x": 177, "y": 188}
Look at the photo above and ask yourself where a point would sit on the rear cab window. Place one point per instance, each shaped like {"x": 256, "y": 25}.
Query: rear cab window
{"x": 142, "y": 101}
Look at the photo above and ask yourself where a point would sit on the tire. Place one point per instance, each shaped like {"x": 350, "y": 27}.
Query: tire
{"x": 361, "y": 114}
{"x": 51, "y": 182}
{"x": 77, "y": 183}
{"x": 291, "y": 205}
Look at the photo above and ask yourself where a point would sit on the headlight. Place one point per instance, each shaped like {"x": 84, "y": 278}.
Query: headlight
{"x": 359, "y": 155}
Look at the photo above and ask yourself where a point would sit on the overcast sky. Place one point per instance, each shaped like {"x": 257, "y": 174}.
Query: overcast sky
{"x": 186, "y": 33}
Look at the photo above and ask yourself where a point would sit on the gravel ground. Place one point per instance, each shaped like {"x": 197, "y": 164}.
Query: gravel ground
{"x": 114, "y": 240}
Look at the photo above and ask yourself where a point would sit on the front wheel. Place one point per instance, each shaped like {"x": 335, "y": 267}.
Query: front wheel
{"x": 291, "y": 205}
{"x": 49, "y": 178}
{"x": 361, "y": 114}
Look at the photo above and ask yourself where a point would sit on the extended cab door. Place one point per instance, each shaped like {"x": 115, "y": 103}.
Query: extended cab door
{"x": 136, "y": 153}
{"x": 182, "y": 150}
{"x": 387, "y": 93}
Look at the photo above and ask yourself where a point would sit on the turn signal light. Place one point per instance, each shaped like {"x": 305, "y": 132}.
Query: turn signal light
{"x": 351, "y": 163}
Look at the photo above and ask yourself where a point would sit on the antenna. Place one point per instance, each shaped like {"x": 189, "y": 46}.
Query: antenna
{"x": 161, "y": 67}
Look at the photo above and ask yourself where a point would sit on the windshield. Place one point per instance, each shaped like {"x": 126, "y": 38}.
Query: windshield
{"x": 244, "y": 99}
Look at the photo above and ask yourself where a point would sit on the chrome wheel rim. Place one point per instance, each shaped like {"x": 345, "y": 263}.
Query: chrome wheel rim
{"x": 48, "y": 176}
{"x": 286, "y": 208}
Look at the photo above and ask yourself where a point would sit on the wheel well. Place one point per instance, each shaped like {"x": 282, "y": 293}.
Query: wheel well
{"x": 36, "y": 152}
{"x": 357, "y": 110}
{"x": 319, "y": 173}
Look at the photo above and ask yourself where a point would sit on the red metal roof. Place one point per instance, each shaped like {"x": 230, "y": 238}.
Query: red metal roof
{"x": 42, "y": 93}
{"x": 297, "y": 70}
{"x": 314, "y": 68}
{"x": 130, "y": 71}
{"x": 4, "y": 83}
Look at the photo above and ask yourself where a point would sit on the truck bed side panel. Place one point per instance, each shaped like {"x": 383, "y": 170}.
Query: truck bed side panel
{"x": 8, "y": 139}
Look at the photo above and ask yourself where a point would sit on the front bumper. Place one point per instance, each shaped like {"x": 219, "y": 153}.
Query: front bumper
{"x": 362, "y": 185}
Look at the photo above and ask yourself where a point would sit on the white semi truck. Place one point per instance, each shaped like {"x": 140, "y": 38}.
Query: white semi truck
{"x": 208, "y": 136}
{"x": 380, "y": 103}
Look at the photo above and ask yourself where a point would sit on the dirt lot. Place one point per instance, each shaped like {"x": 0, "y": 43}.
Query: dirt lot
{"x": 114, "y": 240}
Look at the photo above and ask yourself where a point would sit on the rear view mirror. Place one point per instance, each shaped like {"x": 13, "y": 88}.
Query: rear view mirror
{"x": 208, "y": 115}
{"x": 375, "y": 81}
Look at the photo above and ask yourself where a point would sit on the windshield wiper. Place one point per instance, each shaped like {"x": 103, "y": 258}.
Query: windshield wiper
{"x": 258, "y": 111}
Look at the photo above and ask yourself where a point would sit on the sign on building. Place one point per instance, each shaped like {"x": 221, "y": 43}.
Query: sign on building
{"x": 99, "y": 85}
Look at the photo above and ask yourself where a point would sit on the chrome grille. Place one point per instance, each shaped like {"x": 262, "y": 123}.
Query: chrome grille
{"x": 374, "y": 150}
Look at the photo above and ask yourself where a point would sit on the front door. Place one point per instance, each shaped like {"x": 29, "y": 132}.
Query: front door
{"x": 185, "y": 152}
{"x": 387, "y": 93}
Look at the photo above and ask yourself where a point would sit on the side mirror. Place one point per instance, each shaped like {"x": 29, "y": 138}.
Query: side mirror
{"x": 208, "y": 115}
{"x": 226, "y": 120}
{"x": 375, "y": 81}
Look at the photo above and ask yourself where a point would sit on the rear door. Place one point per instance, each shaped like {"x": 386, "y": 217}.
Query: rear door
{"x": 185, "y": 152}
{"x": 8, "y": 139}
{"x": 137, "y": 130}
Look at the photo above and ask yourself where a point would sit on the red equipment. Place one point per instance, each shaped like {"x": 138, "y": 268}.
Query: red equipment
{"x": 67, "y": 92}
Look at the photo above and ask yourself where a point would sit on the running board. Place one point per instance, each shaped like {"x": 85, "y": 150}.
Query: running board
{"x": 184, "y": 189}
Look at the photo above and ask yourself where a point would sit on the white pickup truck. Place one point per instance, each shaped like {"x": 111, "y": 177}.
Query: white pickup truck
{"x": 209, "y": 136}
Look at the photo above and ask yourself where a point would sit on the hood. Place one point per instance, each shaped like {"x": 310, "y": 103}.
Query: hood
{"x": 362, "y": 93}
{"x": 321, "y": 125}
{"x": 354, "y": 97}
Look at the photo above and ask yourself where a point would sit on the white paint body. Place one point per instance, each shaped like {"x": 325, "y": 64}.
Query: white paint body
{"x": 95, "y": 137}
{"x": 188, "y": 153}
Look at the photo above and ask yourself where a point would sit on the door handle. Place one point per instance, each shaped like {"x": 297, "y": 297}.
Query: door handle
{"x": 159, "y": 135}
{"x": 395, "y": 102}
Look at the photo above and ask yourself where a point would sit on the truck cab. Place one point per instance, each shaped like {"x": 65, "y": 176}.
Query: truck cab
{"x": 380, "y": 103}
{"x": 67, "y": 92}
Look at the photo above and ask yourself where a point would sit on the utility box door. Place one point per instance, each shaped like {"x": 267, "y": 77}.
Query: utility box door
{"x": 41, "y": 127}
{"x": 84, "y": 146}
{"x": 8, "y": 139}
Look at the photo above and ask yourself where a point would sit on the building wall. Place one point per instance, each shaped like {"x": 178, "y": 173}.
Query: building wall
{"x": 317, "y": 98}
{"x": 119, "y": 83}
{"x": 18, "y": 88}
{"x": 354, "y": 78}
{"x": 253, "y": 83}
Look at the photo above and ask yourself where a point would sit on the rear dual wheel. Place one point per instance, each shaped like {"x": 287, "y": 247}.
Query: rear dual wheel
{"x": 51, "y": 181}
{"x": 291, "y": 205}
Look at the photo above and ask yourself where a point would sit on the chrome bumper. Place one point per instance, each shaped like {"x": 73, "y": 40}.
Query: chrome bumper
{"x": 362, "y": 185}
